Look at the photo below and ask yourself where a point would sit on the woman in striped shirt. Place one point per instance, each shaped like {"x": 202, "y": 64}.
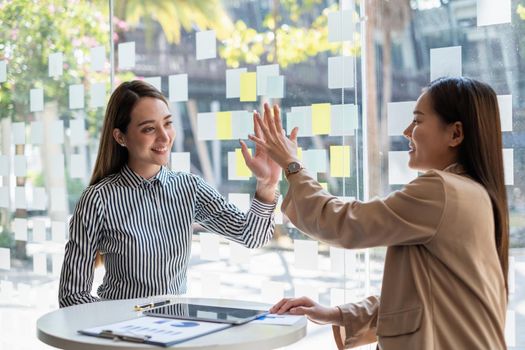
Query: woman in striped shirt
{"x": 139, "y": 214}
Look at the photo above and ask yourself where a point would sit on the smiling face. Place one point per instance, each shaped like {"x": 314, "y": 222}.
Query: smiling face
{"x": 149, "y": 136}
{"x": 433, "y": 143}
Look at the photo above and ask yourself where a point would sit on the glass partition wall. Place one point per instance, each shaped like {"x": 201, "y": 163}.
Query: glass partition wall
{"x": 347, "y": 73}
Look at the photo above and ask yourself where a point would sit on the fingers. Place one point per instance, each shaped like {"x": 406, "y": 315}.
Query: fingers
{"x": 262, "y": 126}
{"x": 258, "y": 142}
{"x": 277, "y": 306}
{"x": 245, "y": 152}
{"x": 269, "y": 120}
{"x": 256, "y": 126}
{"x": 293, "y": 135}
{"x": 277, "y": 118}
{"x": 291, "y": 303}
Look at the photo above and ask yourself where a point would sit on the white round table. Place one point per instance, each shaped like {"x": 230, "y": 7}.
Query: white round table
{"x": 59, "y": 328}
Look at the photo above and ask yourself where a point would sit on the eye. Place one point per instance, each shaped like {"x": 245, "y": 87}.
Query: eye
{"x": 169, "y": 123}
{"x": 148, "y": 129}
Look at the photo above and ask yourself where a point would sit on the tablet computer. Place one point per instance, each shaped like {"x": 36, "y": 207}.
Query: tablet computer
{"x": 207, "y": 313}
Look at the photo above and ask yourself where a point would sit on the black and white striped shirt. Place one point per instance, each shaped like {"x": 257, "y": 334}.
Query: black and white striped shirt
{"x": 144, "y": 229}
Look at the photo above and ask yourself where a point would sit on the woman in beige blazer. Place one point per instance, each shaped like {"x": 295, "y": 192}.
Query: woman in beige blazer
{"x": 445, "y": 275}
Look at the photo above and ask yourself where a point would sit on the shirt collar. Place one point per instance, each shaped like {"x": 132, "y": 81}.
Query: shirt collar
{"x": 133, "y": 179}
{"x": 455, "y": 168}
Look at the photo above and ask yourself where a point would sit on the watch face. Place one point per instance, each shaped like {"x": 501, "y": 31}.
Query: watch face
{"x": 294, "y": 167}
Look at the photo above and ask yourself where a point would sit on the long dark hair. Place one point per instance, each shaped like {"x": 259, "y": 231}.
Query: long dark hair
{"x": 111, "y": 156}
{"x": 475, "y": 105}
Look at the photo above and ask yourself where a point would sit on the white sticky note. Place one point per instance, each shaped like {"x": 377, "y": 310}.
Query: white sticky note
{"x": 37, "y": 133}
{"x": 58, "y": 198}
{"x": 275, "y": 87}
{"x": 58, "y": 231}
{"x": 36, "y": 100}
{"x": 20, "y": 197}
{"x": 240, "y": 200}
{"x": 20, "y": 165}
{"x": 340, "y": 26}
{"x": 156, "y": 82}
{"x": 4, "y": 197}
{"x": 178, "y": 87}
{"x": 206, "y": 43}
{"x": 97, "y": 95}
{"x": 3, "y": 71}
{"x": 20, "y": 229}
{"x": 211, "y": 284}
{"x": 39, "y": 263}
{"x": 242, "y": 124}
{"x": 180, "y": 161}
{"x": 272, "y": 292}
{"x": 206, "y": 126}
{"x": 263, "y": 73}
{"x": 57, "y": 166}
{"x": 344, "y": 120}
{"x": 510, "y": 329}
{"x": 18, "y": 132}
{"x": 343, "y": 260}
{"x": 210, "y": 244}
{"x": 39, "y": 199}
{"x": 445, "y": 62}
{"x": 39, "y": 230}
{"x": 512, "y": 275}
{"x": 493, "y": 12}
{"x": 126, "y": 55}
{"x": 98, "y": 58}
{"x": 307, "y": 290}
{"x": 505, "y": 112}
{"x": 55, "y": 132}
{"x": 398, "y": 171}
{"x": 55, "y": 62}
{"x": 232, "y": 168}
{"x": 5, "y": 259}
{"x": 508, "y": 165}
{"x": 76, "y": 96}
{"x": 4, "y": 165}
{"x": 239, "y": 254}
{"x": 301, "y": 117}
{"x": 233, "y": 82}
{"x": 77, "y": 132}
{"x": 78, "y": 168}
{"x": 399, "y": 116}
{"x": 315, "y": 160}
{"x": 340, "y": 72}
{"x": 306, "y": 256}
{"x": 57, "y": 260}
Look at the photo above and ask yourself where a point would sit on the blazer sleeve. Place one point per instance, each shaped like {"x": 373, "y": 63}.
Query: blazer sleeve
{"x": 409, "y": 216}
{"x": 359, "y": 323}
{"x": 76, "y": 279}
{"x": 252, "y": 229}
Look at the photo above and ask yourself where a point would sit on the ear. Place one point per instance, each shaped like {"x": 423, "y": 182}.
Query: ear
{"x": 456, "y": 133}
{"x": 119, "y": 137}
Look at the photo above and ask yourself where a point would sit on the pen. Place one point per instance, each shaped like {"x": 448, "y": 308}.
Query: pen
{"x": 150, "y": 305}
{"x": 116, "y": 336}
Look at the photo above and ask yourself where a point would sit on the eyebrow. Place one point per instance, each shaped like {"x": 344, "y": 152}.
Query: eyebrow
{"x": 152, "y": 121}
{"x": 418, "y": 112}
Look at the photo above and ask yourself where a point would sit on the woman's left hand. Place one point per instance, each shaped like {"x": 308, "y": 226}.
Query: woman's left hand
{"x": 265, "y": 170}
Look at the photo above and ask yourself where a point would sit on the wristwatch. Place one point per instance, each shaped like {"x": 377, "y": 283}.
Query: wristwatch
{"x": 293, "y": 167}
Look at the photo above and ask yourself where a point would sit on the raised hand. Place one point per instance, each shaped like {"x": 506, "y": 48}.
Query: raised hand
{"x": 271, "y": 137}
{"x": 306, "y": 306}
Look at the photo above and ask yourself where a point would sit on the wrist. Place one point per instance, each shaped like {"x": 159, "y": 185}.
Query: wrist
{"x": 266, "y": 192}
{"x": 336, "y": 316}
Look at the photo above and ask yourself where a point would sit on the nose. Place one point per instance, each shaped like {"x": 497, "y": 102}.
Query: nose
{"x": 408, "y": 131}
{"x": 163, "y": 135}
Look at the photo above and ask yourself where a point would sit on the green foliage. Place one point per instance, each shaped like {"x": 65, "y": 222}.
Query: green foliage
{"x": 284, "y": 44}
{"x": 521, "y": 11}
{"x": 34, "y": 29}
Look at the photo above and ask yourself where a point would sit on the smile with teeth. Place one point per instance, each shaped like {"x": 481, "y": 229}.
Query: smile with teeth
{"x": 160, "y": 149}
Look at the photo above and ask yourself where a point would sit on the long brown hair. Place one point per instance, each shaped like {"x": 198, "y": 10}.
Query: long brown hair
{"x": 475, "y": 105}
{"x": 111, "y": 156}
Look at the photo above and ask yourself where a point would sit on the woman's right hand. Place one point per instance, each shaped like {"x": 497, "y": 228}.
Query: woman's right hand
{"x": 305, "y": 306}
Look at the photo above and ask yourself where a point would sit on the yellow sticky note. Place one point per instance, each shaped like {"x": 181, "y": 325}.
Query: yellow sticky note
{"x": 248, "y": 87}
{"x": 224, "y": 125}
{"x": 321, "y": 118}
{"x": 324, "y": 185}
{"x": 340, "y": 161}
{"x": 241, "y": 169}
{"x": 300, "y": 153}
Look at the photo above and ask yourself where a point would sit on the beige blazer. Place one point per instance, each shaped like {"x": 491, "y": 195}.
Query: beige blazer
{"x": 443, "y": 287}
